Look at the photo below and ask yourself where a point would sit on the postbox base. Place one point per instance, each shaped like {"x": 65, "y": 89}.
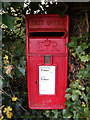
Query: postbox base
{"x": 51, "y": 107}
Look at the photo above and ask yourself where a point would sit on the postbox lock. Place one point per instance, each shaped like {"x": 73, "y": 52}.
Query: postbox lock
{"x": 47, "y": 59}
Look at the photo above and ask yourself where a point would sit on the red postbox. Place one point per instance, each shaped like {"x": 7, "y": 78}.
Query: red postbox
{"x": 47, "y": 53}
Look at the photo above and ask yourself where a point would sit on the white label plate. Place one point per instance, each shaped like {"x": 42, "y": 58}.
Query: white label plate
{"x": 47, "y": 80}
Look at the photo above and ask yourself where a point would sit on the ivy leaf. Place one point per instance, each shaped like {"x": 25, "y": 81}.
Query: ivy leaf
{"x": 86, "y": 112}
{"x": 83, "y": 73}
{"x": 74, "y": 54}
{"x": 47, "y": 113}
{"x": 85, "y": 58}
{"x": 17, "y": 71}
{"x": 68, "y": 96}
{"x": 68, "y": 103}
{"x": 76, "y": 103}
{"x": 22, "y": 60}
{"x": 73, "y": 42}
{"x": 81, "y": 87}
{"x": 71, "y": 50}
{"x": 79, "y": 108}
{"x": 75, "y": 97}
{"x": 18, "y": 51}
{"x": 77, "y": 82}
{"x": 88, "y": 66}
{"x": 68, "y": 89}
{"x": 83, "y": 96}
{"x": 87, "y": 89}
{"x": 66, "y": 113}
{"x": 8, "y": 20}
{"x": 22, "y": 70}
{"x": 84, "y": 45}
{"x": 55, "y": 113}
{"x": 79, "y": 50}
{"x": 75, "y": 114}
{"x": 74, "y": 85}
{"x": 77, "y": 92}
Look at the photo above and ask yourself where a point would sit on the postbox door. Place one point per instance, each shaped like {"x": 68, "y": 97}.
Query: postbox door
{"x": 55, "y": 98}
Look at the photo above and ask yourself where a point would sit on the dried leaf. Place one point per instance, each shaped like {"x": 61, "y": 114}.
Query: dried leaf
{"x": 71, "y": 67}
{"x": 70, "y": 83}
{"x": 82, "y": 66}
{"x": 47, "y": 111}
{"x": 8, "y": 69}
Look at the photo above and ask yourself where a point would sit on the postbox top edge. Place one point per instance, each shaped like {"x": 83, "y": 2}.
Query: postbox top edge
{"x": 46, "y": 15}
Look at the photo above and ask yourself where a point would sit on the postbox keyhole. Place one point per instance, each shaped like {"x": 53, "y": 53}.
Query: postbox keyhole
{"x": 36, "y": 82}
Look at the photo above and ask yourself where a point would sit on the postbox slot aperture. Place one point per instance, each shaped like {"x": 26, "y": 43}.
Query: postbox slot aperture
{"x": 47, "y": 34}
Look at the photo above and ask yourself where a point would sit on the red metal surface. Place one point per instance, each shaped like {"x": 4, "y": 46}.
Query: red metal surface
{"x": 39, "y": 46}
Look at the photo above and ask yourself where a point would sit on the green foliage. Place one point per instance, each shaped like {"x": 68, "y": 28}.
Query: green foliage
{"x": 78, "y": 94}
{"x": 78, "y": 102}
{"x": 8, "y": 20}
{"x": 79, "y": 47}
{"x": 5, "y": 5}
{"x": 66, "y": 113}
